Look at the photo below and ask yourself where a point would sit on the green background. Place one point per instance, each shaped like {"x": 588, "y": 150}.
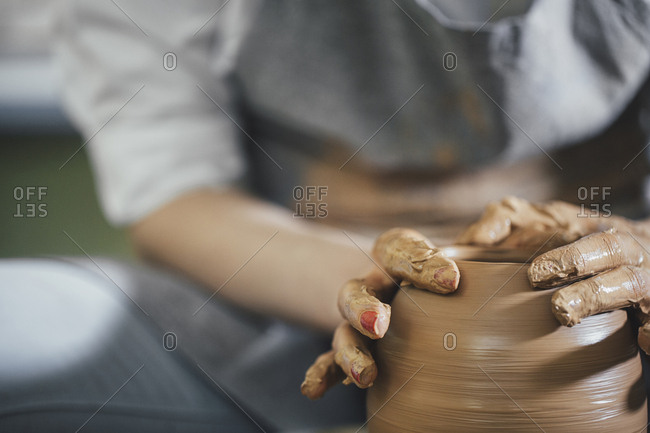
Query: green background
{"x": 71, "y": 202}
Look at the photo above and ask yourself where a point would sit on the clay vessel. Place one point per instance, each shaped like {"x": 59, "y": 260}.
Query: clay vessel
{"x": 492, "y": 358}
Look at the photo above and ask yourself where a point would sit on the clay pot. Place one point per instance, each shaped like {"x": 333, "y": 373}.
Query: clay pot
{"x": 491, "y": 357}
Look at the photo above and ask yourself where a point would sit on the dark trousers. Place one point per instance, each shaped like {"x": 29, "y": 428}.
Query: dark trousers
{"x": 101, "y": 345}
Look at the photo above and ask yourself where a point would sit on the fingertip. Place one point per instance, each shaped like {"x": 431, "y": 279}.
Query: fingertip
{"x": 323, "y": 374}
{"x": 563, "y": 316}
{"x": 311, "y": 391}
{"x": 644, "y": 338}
{"x": 590, "y": 255}
{"x": 383, "y": 322}
{"x": 542, "y": 272}
{"x": 439, "y": 275}
{"x": 563, "y": 311}
{"x": 493, "y": 226}
{"x": 448, "y": 277}
{"x": 358, "y": 366}
{"x": 364, "y": 378}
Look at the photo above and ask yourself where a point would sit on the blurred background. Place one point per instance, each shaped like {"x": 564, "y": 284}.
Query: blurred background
{"x": 46, "y": 203}
{"x": 47, "y": 195}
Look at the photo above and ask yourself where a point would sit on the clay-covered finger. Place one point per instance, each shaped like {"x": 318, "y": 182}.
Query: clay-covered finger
{"x": 493, "y": 226}
{"x": 408, "y": 255}
{"x": 587, "y": 256}
{"x": 500, "y": 219}
{"x": 612, "y": 290}
{"x": 363, "y": 310}
{"x": 353, "y": 356}
{"x": 323, "y": 374}
{"x": 643, "y": 338}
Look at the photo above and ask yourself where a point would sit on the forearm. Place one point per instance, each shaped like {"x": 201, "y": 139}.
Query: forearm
{"x": 210, "y": 235}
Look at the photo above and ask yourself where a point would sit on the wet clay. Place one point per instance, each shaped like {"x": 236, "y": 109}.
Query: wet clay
{"x": 407, "y": 254}
{"x": 595, "y": 253}
{"x": 322, "y": 375}
{"x": 352, "y": 354}
{"x": 402, "y": 254}
{"x": 491, "y": 357}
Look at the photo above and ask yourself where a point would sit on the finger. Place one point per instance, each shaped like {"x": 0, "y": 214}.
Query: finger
{"x": 353, "y": 356}
{"x": 644, "y": 338}
{"x": 323, "y": 374}
{"x": 383, "y": 285}
{"x": 408, "y": 255}
{"x": 493, "y": 226}
{"x": 619, "y": 288}
{"x": 587, "y": 256}
{"x": 362, "y": 309}
{"x": 499, "y": 220}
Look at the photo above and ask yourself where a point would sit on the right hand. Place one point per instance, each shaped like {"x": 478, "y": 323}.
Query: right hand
{"x": 400, "y": 255}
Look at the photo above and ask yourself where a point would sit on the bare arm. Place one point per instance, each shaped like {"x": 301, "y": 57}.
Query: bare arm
{"x": 209, "y": 235}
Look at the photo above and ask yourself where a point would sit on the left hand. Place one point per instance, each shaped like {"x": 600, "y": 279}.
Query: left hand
{"x": 400, "y": 255}
{"x": 603, "y": 259}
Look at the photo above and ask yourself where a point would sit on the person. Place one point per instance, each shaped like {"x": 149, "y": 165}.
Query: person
{"x": 205, "y": 121}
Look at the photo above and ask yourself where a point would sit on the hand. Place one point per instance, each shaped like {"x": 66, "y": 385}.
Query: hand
{"x": 604, "y": 258}
{"x": 401, "y": 255}
{"x": 516, "y": 223}
{"x": 607, "y": 270}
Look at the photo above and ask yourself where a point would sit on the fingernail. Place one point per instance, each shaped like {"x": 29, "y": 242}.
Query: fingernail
{"x": 368, "y": 320}
{"x": 355, "y": 374}
{"x": 447, "y": 277}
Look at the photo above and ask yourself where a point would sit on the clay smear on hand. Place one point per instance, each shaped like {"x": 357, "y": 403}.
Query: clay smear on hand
{"x": 321, "y": 376}
{"x": 408, "y": 255}
{"x": 353, "y": 356}
{"x": 359, "y": 306}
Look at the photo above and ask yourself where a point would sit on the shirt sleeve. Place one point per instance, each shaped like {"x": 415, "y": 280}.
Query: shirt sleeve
{"x": 146, "y": 83}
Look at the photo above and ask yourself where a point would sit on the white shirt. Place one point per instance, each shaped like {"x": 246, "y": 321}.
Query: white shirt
{"x": 362, "y": 75}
